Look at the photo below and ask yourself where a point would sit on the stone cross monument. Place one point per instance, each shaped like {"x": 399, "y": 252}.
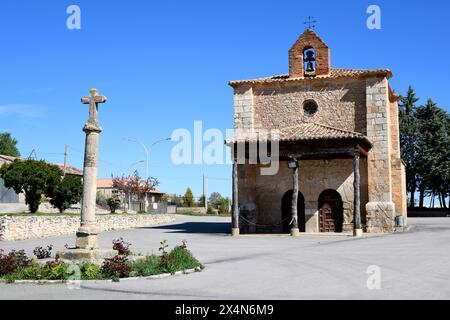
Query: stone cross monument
{"x": 87, "y": 233}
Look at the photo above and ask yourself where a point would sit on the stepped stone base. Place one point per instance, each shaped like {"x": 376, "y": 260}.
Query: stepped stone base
{"x": 86, "y": 255}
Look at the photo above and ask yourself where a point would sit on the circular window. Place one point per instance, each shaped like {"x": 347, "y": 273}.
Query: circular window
{"x": 310, "y": 107}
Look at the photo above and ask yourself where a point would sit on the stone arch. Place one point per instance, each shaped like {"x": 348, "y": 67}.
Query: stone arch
{"x": 331, "y": 211}
{"x": 286, "y": 211}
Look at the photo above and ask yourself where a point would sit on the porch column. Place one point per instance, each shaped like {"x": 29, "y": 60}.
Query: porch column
{"x": 357, "y": 231}
{"x": 295, "y": 232}
{"x": 235, "y": 231}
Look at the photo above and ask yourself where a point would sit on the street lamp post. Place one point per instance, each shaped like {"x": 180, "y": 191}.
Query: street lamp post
{"x": 147, "y": 152}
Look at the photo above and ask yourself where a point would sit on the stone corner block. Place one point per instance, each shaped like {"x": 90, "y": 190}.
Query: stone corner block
{"x": 380, "y": 217}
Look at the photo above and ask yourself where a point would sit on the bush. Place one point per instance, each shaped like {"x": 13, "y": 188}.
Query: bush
{"x": 52, "y": 270}
{"x": 122, "y": 247}
{"x": 42, "y": 253}
{"x": 180, "y": 258}
{"x": 55, "y": 270}
{"x": 12, "y": 262}
{"x": 66, "y": 193}
{"x": 148, "y": 266}
{"x": 210, "y": 211}
{"x": 31, "y": 272}
{"x": 116, "y": 267}
{"x": 113, "y": 203}
{"x": 223, "y": 206}
{"x": 90, "y": 271}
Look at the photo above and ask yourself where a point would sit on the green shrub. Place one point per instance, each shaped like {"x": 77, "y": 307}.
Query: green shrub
{"x": 113, "y": 203}
{"x": 148, "y": 266}
{"x": 55, "y": 270}
{"x": 31, "y": 272}
{"x": 90, "y": 271}
{"x": 223, "y": 206}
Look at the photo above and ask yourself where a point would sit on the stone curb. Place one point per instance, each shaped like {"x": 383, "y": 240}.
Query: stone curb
{"x": 154, "y": 277}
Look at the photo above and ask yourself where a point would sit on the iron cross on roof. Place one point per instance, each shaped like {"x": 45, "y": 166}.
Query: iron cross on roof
{"x": 311, "y": 22}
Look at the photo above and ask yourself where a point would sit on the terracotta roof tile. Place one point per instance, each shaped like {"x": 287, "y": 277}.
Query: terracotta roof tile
{"x": 334, "y": 74}
{"x": 307, "y": 132}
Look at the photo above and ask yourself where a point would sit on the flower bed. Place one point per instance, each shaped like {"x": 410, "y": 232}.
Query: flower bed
{"x": 16, "y": 266}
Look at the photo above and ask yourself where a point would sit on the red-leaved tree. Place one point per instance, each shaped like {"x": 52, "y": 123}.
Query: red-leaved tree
{"x": 134, "y": 186}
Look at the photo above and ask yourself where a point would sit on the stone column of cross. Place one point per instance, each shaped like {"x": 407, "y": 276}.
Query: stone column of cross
{"x": 87, "y": 233}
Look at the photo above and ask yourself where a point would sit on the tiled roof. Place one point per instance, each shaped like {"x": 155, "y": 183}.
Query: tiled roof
{"x": 107, "y": 183}
{"x": 334, "y": 74}
{"x": 307, "y": 132}
{"x": 71, "y": 171}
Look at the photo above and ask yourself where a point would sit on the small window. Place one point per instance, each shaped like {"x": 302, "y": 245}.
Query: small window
{"x": 310, "y": 107}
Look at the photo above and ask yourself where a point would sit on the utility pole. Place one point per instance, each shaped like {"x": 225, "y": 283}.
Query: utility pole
{"x": 65, "y": 159}
{"x": 205, "y": 191}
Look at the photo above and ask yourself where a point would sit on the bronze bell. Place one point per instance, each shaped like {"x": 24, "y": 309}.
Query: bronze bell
{"x": 310, "y": 59}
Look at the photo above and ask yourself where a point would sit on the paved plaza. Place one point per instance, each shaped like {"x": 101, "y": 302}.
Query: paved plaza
{"x": 414, "y": 265}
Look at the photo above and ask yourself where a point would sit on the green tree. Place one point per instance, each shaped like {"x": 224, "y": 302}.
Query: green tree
{"x": 66, "y": 193}
{"x": 8, "y": 145}
{"x": 214, "y": 199}
{"x": 434, "y": 152}
{"x": 188, "y": 198}
{"x": 34, "y": 178}
{"x": 408, "y": 139}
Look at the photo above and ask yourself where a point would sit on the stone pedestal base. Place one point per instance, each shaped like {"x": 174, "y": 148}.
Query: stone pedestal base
{"x": 295, "y": 232}
{"x": 235, "y": 232}
{"x": 358, "y": 233}
{"x": 86, "y": 255}
{"x": 380, "y": 217}
{"x": 87, "y": 240}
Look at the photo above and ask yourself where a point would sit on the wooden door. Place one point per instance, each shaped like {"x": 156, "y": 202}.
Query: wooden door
{"x": 326, "y": 217}
{"x": 331, "y": 212}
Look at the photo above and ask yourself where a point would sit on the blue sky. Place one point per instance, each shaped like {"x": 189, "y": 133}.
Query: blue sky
{"x": 164, "y": 65}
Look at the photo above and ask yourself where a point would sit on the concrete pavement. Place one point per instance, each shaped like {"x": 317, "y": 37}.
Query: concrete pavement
{"x": 414, "y": 265}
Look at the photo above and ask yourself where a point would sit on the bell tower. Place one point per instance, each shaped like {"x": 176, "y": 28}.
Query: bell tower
{"x": 309, "y": 56}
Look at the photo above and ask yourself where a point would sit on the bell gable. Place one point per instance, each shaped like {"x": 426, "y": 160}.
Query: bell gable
{"x": 309, "y": 56}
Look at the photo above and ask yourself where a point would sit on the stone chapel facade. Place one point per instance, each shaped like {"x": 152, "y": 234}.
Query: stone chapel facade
{"x": 333, "y": 122}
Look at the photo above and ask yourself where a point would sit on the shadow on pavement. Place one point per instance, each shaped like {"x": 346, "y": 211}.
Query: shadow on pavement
{"x": 197, "y": 227}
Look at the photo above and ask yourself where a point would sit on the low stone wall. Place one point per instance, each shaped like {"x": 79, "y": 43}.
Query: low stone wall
{"x": 195, "y": 210}
{"x": 33, "y": 227}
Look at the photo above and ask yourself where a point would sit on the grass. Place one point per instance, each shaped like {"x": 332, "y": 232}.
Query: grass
{"x": 197, "y": 214}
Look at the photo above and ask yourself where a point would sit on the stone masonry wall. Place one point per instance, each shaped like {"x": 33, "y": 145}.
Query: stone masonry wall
{"x": 243, "y": 108}
{"x": 380, "y": 209}
{"x": 342, "y": 104}
{"x": 260, "y": 197}
{"x": 398, "y": 168}
{"x": 33, "y": 227}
